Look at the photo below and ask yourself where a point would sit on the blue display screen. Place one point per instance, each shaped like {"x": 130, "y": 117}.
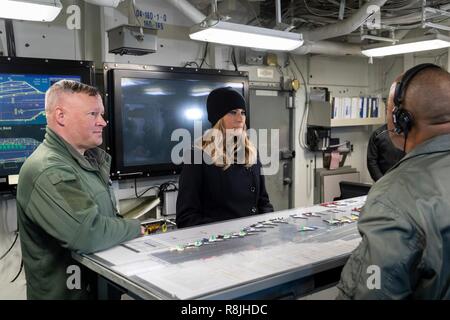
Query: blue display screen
{"x": 22, "y": 116}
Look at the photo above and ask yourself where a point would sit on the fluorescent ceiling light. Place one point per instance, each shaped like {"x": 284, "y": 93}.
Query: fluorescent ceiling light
{"x": 31, "y": 10}
{"x": 429, "y": 42}
{"x": 241, "y": 35}
{"x": 105, "y": 3}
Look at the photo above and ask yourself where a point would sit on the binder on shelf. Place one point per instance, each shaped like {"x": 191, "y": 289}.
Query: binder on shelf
{"x": 374, "y": 108}
{"x": 333, "y": 108}
{"x": 347, "y": 108}
{"x": 352, "y": 111}
{"x": 341, "y": 111}
{"x": 363, "y": 108}
{"x": 366, "y": 107}
{"x": 355, "y": 107}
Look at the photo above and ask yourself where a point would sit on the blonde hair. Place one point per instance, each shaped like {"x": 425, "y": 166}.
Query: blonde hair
{"x": 225, "y": 154}
{"x": 54, "y": 93}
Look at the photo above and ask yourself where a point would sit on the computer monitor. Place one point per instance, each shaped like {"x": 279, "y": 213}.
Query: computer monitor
{"x": 23, "y": 83}
{"x": 146, "y": 106}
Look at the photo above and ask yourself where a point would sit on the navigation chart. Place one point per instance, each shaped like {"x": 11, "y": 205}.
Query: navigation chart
{"x": 22, "y": 116}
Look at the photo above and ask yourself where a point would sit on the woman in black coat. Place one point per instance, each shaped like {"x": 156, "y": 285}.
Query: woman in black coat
{"x": 227, "y": 183}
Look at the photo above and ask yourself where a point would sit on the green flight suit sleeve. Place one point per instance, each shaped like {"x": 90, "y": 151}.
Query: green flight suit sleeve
{"x": 61, "y": 207}
{"x": 391, "y": 245}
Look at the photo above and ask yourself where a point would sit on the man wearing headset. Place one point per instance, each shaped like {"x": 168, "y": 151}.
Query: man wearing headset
{"x": 405, "y": 223}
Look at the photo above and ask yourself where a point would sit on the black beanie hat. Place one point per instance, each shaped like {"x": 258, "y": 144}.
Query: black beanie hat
{"x": 221, "y": 101}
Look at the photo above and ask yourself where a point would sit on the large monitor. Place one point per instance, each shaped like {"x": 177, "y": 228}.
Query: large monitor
{"x": 23, "y": 83}
{"x": 147, "y": 103}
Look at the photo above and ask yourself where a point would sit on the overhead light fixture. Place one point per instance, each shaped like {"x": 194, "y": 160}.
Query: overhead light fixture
{"x": 30, "y": 10}
{"x": 105, "y": 3}
{"x": 233, "y": 34}
{"x": 425, "y": 43}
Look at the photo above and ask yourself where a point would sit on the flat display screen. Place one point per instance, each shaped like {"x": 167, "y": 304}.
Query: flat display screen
{"x": 154, "y": 108}
{"x": 146, "y": 107}
{"x": 23, "y": 83}
{"x": 22, "y": 116}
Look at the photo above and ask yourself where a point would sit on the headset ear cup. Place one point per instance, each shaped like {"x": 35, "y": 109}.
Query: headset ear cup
{"x": 397, "y": 127}
{"x": 403, "y": 121}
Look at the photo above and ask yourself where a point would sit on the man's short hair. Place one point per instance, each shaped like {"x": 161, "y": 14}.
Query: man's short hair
{"x": 67, "y": 86}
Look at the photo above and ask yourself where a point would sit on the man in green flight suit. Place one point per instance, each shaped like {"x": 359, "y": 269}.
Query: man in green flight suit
{"x": 64, "y": 199}
{"x": 405, "y": 222}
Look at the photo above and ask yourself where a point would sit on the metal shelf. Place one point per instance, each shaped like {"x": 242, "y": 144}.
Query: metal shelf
{"x": 320, "y": 115}
{"x": 357, "y": 122}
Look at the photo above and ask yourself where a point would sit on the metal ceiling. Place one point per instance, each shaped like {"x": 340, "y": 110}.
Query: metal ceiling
{"x": 301, "y": 15}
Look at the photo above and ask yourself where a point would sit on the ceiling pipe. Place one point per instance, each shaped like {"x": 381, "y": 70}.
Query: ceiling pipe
{"x": 188, "y": 9}
{"x": 410, "y": 18}
{"x": 329, "y": 48}
{"x": 400, "y": 34}
{"x": 344, "y": 27}
{"x": 278, "y": 11}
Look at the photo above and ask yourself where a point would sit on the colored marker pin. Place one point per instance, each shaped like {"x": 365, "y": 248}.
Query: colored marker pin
{"x": 198, "y": 243}
{"x": 346, "y": 219}
{"x": 332, "y": 221}
{"x": 310, "y": 214}
{"x": 278, "y": 220}
{"x": 302, "y": 229}
{"x": 190, "y": 245}
{"x": 242, "y": 233}
{"x": 258, "y": 225}
{"x": 295, "y": 216}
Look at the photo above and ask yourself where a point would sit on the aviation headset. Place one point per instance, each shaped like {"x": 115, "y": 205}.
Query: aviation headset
{"x": 403, "y": 119}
